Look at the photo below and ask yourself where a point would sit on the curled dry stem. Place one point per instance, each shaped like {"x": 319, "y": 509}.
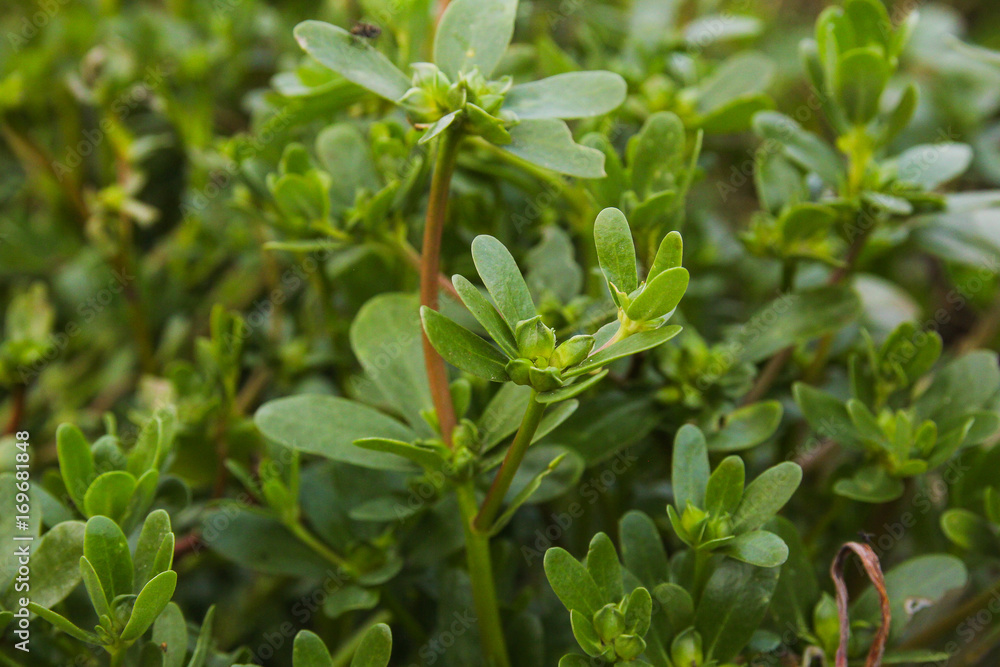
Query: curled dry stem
{"x": 873, "y": 568}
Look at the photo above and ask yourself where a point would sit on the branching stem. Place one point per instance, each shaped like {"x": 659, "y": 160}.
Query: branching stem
{"x": 511, "y": 462}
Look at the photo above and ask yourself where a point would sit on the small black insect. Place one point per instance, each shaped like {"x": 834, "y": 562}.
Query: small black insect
{"x": 866, "y": 536}
{"x": 366, "y": 30}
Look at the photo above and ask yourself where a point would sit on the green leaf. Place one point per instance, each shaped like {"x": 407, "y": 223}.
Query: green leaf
{"x": 642, "y": 548}
{"x": 603, "y": 565}
{"x": 302, "y": 199}
{"x": 660, "y": 296}
{"x": 640, "y": 342}
{"x": 310, "y": 651}
{"x": 725, "y": 486}
{"x": 473, "y": 33}
{"x": 64, "y": 624}
{"x": 970, "y": 531}
{"x": 109, "y": 495}
{"x": 95, "y": 590}
{"x": 462, "y": 348}
{"x": 802, "y": 147}
{"x": 55, "y": 569}
{"x": 76, "y": 463}
{"x": 639, "y": 611}
{"x": 524, "y": 495}
{"x": 736, "y": 115}
{"x": 204, "y": 641}
{"x": 439, "y": 126}
{"x": 795, "y": 318}
{"x": 155, "y": 530}
{"x": 260, "y": 542}
{"x": 732, "y": 607}
{"x": 747, "y": 427}
{"x": 152, "y": 600}
{"x": 656, "y": 153}
{"x": 344, "y": 153}
{"x": 568, "y": 95}
{"x": 570, "y": 391}
{"x": 503, "y": 280}
{"x": 711, "y": 28}
{"x": 690, "y": 470}
{"x": 862, "y": 75}
{"x": 677, "y": 605}
{"x": 871, "y": 484}
{"x": 106, "y": 548}
{"x": 827, "y": 416}
{"x": 668, "y": 255}
{"x": 900, "y": 116}
{"x": 758, "y": 547}
{"x": 350, "y": 597}
{"x": 743, "y": 74}
{"x": 352, "y": 58}
{"x": 615, "y": 250}
{"x": 170, "y": 630}
{"x": 548, "y": 143}
{"x": 766, "y": 495}
{"x": 155, "y": 439}
{"x": 422, "y": 456}
{"x": 923, "y": 579}
{"x": 328, "y": 426}
{"x": 375, "y": 648}
{"x": 932, "y": 165}
{"x": 486, "y": 315}
{"x": 585, "y": 633}
{"x": 798, "y": 589}
{"x": 805, "y": 221}
{"x": 387, "y": 339}
{"x": 572, "y": 583}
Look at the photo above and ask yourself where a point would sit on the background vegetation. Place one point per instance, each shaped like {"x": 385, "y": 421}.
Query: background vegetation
{"x": 210, "y": 254}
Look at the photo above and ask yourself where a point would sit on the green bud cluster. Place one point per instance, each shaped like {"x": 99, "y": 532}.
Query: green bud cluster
{"x": 620, "y": 639}
{"x": 477, "y": 99}
{"x": 702, "y": 528}
{"x": 540, "y": 363}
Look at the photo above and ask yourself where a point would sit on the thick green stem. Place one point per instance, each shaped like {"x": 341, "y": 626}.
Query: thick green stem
{"x": 701, "y": 562}
{"x": 484, "y": 594}
{"x": 511, "y": 462}
{"x": 117, "y": 655}
{"x": 430, "y": 260}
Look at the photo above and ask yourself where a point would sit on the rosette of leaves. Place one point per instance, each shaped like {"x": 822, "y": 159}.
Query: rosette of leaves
{"x": 904, "y": 434}
{"x": 701, "y": 378}
{"x": 526, "y": 351}
{"x": 607, "y": 601}
{"x": 716, "y": 97}
{"x": 650, "y": 187}
{"x": 456, "y": 91}
{"x": 102, "y": 479}
{"x": 347, "y": 193}
{"x": 128, "y": 590}
{"x": 607, "y": 622}
{"x": 714, "y": 512}
{"x": 809, "y": 187}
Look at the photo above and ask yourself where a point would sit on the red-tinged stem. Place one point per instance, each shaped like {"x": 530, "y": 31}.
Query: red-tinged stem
{"x": 430, "y": 261}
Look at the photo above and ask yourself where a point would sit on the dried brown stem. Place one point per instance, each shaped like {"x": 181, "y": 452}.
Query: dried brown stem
{"x": 873, "y": 568}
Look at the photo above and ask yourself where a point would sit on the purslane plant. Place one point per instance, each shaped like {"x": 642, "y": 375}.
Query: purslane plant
{"x": 282, "y": 435}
